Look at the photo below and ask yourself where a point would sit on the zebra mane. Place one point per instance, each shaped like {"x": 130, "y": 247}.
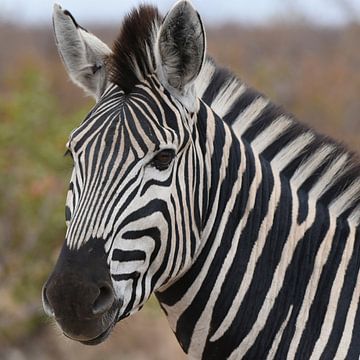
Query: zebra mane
{"x": 133, "y": 54}
{"x": 312, "y": 161}
{"x": 317, "y": 165}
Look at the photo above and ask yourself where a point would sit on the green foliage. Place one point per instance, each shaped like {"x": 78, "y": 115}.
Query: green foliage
{"x": 33, "y": 181}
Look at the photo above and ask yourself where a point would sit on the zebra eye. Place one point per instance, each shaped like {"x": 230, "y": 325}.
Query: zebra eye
{"x": 163, "y": 159}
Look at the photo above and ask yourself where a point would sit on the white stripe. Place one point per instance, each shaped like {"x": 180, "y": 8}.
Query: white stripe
{"x": 226, "y": 97}
{"x": 204, "y": 78}
{"x": 249, "y": 115}
{"x": 288, "y": 153}
{"x": 276, "y": 342}
{"x": 280, "y": 161}
{"x": 255, "y": 254}
{"x": 305, "y": 170}
{"x": 345, "y": 200}
{"x": 202, "y": 326}
{"x": 347, "y": 333}
{"x": 328, "y": 177}
{"x": 354, "y": 217}
{"x": 297, "y": 232}
{"x": 271, "y": 133}
{"x": 337, "y": 285}
{"x": 175, "y": 311}
{"x": 320, "y": 260}
{"x": 98, "y": 227}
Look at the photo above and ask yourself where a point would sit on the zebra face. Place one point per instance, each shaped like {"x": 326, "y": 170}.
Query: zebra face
{"x": 120, "y": 207}
{"x": 129, "y": 163}
{"x": 131, "y": 220}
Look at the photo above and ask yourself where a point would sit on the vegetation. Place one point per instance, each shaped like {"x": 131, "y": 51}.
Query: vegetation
{"x": 32, "y": 191}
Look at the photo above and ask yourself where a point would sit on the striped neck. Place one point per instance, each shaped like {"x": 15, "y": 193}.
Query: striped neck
{"x": 260, "y": 235}
{"x": 227, "y": 173}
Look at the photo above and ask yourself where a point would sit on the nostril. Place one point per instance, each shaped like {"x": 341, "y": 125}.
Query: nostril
{"x": 104, "y": 301}
{"x": 49, "y": 311}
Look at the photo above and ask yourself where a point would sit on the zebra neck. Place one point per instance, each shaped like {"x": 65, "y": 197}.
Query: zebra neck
{"x": 263, "y": 261}
{"x": 277, "y": 238}
{"x": 232, "y": 176}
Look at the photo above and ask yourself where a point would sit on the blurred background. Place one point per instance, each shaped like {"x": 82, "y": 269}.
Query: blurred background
{"x": 304, "y": 55}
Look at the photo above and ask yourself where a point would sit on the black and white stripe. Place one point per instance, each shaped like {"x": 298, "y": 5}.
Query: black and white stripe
{"x": 250, "y": 238}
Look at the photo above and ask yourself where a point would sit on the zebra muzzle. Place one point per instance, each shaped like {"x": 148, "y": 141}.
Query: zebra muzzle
{"x": 80, "y": 296}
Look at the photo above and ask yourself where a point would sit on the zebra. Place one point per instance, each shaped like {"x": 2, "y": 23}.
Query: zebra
{"x": 190, "y": 185}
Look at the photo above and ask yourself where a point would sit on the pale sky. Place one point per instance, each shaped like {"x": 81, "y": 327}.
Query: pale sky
{"x": 326, "y": 12}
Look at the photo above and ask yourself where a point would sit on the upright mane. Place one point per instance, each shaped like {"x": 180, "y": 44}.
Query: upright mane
{"x": 133, "y": 54}
{"x": 267, "y": 127}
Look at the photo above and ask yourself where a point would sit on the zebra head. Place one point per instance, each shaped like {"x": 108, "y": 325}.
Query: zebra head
{"x": 133, "y": 209}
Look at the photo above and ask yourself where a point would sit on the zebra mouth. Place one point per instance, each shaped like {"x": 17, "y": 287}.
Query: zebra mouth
{"x": 99, "y": 339}
{"x": 95, "y": 341}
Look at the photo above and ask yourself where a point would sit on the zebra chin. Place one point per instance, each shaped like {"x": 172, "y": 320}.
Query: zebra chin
{"x": 88, "y": 331}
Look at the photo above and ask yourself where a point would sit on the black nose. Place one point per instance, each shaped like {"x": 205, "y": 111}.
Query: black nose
{"x": 104, "y": 300}
{"x": 70, "y": 295}
{"x": 80, "y": 295}
{"x": 80, "y": 286}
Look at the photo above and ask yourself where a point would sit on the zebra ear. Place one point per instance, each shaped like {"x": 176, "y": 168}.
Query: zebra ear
{"x": 83, "y": 54}
{"x": 180, "y": 53}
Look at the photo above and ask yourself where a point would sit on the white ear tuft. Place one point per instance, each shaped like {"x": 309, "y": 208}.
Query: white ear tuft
{"x": 180, "y": 50}
{"x": 83, "y": 54}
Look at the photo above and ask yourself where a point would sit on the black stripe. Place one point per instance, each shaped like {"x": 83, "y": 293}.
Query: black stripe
{"x": 246, "y": 99}
{"x": 128, "y": 255}
{"x": 321, "y": 300}
{"x": 298, "y": 275}
{"x": 344, "y": 304}
{"x": 218, "y": 80}
{"x": 125, "y": 277}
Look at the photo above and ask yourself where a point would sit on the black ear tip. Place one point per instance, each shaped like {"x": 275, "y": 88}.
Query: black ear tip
{"x": 68, "y": 13}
